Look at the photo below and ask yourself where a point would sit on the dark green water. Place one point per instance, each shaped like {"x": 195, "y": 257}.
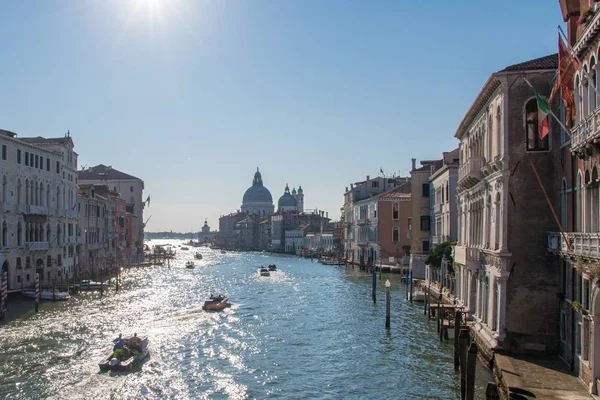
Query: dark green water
{"x": 309, "y": 331}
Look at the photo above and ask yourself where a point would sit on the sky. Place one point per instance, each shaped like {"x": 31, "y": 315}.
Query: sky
{"x": 192, "y": 96}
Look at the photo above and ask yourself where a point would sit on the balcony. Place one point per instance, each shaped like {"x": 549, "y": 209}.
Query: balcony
{"x": 23, "y": 208}
{"x": 38, "y": 246}
{"x": 439, "y": 239}
{"x": 6, "y": 207}
{"x": 586, "y": 133}
{"x": 37, "y": 210}
{"x": 438, "y": 208}
{"x": 470, "y": 173}
{"x": 468, "y": 256}
{"x": 576, "y": 244}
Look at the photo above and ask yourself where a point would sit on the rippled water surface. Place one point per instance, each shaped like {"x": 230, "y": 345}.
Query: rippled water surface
{"x": 307, "y": 331}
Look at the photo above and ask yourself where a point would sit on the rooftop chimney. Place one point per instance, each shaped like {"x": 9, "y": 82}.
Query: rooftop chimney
{"x": 414, "y": 163}
{"x": 367, "y": 177}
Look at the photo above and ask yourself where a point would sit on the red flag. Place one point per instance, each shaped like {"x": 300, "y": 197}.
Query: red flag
{"x": 566, "y": 72}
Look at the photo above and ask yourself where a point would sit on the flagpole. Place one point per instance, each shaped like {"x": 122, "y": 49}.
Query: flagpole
{"x": 587, "y": 73}
{"x": 550, "y": 108}
{"x": 537, "y": 176}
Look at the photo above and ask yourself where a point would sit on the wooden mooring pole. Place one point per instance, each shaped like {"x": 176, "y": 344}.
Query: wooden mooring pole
{"x": 388, "y": 286}
{"x": 37, "y": 292}
{"x": 463, "y": 343}
{"x": 471, "y": 363}
{"x": 457, "y": 323}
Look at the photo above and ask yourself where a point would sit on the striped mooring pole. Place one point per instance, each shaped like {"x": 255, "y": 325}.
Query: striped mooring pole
{"x": 3, "y": 294}
{"x": 37, "y": 292}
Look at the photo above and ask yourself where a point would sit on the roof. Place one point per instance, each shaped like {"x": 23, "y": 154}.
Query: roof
{"x": 400, "y": 192}
{"x": 546, "y": 62}
{"x": 426, "y": 165}
{"x": 38, "y": 140}
{"x": 102, "y": 172}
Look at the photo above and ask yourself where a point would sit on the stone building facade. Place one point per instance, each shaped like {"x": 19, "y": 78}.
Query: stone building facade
{"x": 505, "y": 280}
{"x": 443, "y": 202}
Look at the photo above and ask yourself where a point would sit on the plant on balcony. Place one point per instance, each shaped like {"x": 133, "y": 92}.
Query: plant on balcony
{"x": 587, "y": 16}
{"x": 591, "y": 268}
{"x": 576, "y": 306}
{"x": 435, "y": 257}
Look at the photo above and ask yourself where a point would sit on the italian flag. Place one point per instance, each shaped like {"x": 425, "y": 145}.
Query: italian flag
{"x": 543, "y": 116}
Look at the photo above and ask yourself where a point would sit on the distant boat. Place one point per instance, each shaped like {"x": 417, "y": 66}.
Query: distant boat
{"x": 264, "y": 272}
{"x": 189, "y": 264}
{"x": 184, "y": 248}
{"x": 272, "y": 267}
{"x": 198, "y": 255}
{"x": 47, "y": 294}
{"x": 89, "y": 285}
{"x": 125, "y": 359}
{"x": 222, "y": 251}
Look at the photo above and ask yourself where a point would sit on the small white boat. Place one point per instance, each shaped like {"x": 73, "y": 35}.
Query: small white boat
{"x": 264, "y": 272}
{"x": 90, "y": 285}
{"x": 47, "y": 294}
{"x": 184, "y": 248}
{"x": 418, "y": 295}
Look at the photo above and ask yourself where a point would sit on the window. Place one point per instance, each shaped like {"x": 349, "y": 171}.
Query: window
{"x": 131, "y": 188}
{"x": 395, "y": 211}
{"x": 374, "y": 184}
{"x": 41, "y": 162}
{"x": 534, "y": 142}
{"x": 48, "y": 164}
{"x": 425, "y": 245}
{"x": 27, "y": 158}
{"x": 37, "y": 161}
{"x": 425, "y": 223}
{"x": 425, "y": 190}
{"x": 395, "y": 235}
{"x": 31, "y": 159}
{"x": 4, "y": 152}
{"x": 57, "y": 167}
{"x": 18, "y": 156}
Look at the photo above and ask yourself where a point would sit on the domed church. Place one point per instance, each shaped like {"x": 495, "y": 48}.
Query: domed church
{"x": 257, "y": 200}
{"x": 291, "y": 202}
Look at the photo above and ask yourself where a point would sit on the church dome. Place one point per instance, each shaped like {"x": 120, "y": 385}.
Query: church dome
{"x": 287, "y": 200}
{"x": 257, "y": 193}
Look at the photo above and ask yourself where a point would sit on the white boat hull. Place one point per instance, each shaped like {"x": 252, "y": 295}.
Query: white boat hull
{"x": 47, "y": 295}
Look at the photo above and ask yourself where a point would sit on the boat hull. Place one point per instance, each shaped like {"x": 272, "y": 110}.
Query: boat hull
{"x": 210, "y": 305}
{"x": 128, "y": 364}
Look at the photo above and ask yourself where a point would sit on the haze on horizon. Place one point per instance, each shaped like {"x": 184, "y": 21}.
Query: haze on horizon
{"x": 191, "y": 96}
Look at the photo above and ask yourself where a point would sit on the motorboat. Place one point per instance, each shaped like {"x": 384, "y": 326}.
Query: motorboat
{"x": 198, "y": 255}
{"x": 216, "y": 303}
{"x": 184, "y": 248}
{"x": 89, "y": 285}
{"x": 46, "y": 294}
{"x": 264, "y": 272}
{"x": 272, "y": 267}
{"x": 189, "y": 264}
{"x": 133, "y": 351}
{"x": 222, "y": 251}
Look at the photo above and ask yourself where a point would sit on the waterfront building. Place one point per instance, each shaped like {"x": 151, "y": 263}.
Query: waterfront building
{"x": 505, "y": 279}
{"x": 38, "y": 219}
{"x": 228, "y": 236}
{"x": 206, "y": 236}
{"x": 420, "y": 222}
{"x": 264, "y": 233}
{"x": 319, "y": 242}
{"x": 284, "y": 221}
{"x": 257, "y": 199}
{"x": 578, "y": 251}
{"x": 359, "y": 191}
{"x": 247, "y": 233}
{"x": 130, "y": 189}
{"x": 294, "y": 238}
{"x": 443, "y": 200}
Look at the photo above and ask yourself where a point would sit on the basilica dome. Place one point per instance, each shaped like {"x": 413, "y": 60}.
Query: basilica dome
{"x": 287, "y": 202}
{"x": 257, "y": 199}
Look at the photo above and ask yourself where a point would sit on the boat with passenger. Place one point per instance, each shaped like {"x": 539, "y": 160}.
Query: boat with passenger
{"x": 126, "y": 354}
{"x": 216, "y": 303}
{"x": 264, "y": 271}
{"x": 189, "y": 264}
{"x": 198, "y": 255}
{"x": 272, "y": 267}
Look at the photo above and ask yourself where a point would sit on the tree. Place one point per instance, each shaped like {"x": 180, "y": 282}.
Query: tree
{"x": 435, "y": 257}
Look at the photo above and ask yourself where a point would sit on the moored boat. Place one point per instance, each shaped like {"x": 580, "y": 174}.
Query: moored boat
{"x": 216, "y": 303}
{"x": 418, "y": 295}
{"x": 264, "y": 272}
{"x": 184, "y": 248}
{"x": 198, "y": 256}
{"x": 189, "y": 264}
{"x": 89, "y": 285}
{"x": 127, "y": 353}
{"x": 46, "y": 294}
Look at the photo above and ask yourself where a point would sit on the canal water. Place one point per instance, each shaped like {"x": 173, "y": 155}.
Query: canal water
{"x": 309, "y": 331}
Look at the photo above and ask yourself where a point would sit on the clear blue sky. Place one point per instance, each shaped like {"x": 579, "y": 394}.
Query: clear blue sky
{"x": 191, "y": 96}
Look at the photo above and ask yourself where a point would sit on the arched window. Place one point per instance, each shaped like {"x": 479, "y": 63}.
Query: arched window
{"x": 499, "y": 131}
{"x": 26, "y": 191}
{"x": 4, "y": 189}
{"x": 577, "y": 95}
{"x": 498, "y": 220}
{"x": 488, "y": 224}
{"x": 395, "y": 235}
{"x": 19, "y": 188}
{"x": 577, "y": 222}
{"x": 47, "y": 195}
{"x": 532, "y": 135}
{"x": 592, "y": 92}
{"x": 19, "y": 234}
{"x": 563, "y": 204}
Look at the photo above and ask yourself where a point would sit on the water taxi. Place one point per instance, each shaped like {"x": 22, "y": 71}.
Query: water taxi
{"x": 127, "y": 353}
{"x": 216, "y": 303}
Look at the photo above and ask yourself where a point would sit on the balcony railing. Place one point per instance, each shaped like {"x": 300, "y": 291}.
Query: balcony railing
{"x": 439, "y": 239}
{"x": 470, "y": 173}
{"x": 23, "y": 208}
{"x": 586, "y": 132}
{"x": 33, "y": 246}
{"x": 577, "y": 244}
{"x": 37, "y": 210}
{"x": 464, "y": 255}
